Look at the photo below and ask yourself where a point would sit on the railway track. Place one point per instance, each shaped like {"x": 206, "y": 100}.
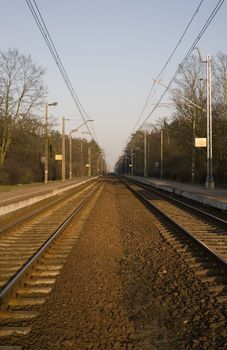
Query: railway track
{"x": 199, "y": 237}
{"x": 32, "y": 253}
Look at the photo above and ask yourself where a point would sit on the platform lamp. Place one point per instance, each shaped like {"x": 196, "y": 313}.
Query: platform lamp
{"x": 46, "y": 141}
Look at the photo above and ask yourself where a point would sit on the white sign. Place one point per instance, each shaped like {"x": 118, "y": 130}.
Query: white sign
{"x": 200, "y": 142}
{"x": 87, "y": 165}
{"x": 58, "y": 156}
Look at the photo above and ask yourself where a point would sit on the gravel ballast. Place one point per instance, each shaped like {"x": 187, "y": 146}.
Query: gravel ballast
{"x": 124, "y": 287}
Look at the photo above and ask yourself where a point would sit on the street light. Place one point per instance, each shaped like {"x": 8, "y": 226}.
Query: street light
{"x": 209, "y": 178}
{"x": 46, "y": 141}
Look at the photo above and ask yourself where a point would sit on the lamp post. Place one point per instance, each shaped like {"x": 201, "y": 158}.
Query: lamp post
{"x": 46, "y": 141}
{"x": 209, "y": 177}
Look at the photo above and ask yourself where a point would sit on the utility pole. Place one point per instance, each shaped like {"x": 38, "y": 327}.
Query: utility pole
{"x": 70, "y": 156}
{"x": 46, "y": 151}
{"x": 193, "y": 146}
{"x": 125, "y": 164}
{"x": 145, "y": 154}
{"x": 161, "y": 155}
{"x": 89, "y": 161}
{"x": 70, "y": 144}
{"x": 46, "y": 146}
{"x": 81, "y": 159}
{"x": 209, "y": 178}
{"x": 63, "y": 149}
{"x": 132, "y": 161}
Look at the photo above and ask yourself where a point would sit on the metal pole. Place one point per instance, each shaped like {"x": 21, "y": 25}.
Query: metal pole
{"x": 81, "y": 158}
{"x": 97, "y": 166}
{"x": 63, "y": 150}
{"x": 145, "y": 154}
{"x": 46, "y": 146}
{"x": 193, "y": 147}
{"x": 125, "y": 164}
{"x": 209, "y": 178}
{"x": 161, "y": 156}
{"x": 132, "y": 161}
{"x": 89, "y": 161}
{"x": 46, "y": 151}
{"x": 70, "y": 157}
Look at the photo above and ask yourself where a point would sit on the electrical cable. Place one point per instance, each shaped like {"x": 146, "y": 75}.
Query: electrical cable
{"x": 46, "y": 35}
{"x": 167, "y": 62}
{"x": 206, "y": 25}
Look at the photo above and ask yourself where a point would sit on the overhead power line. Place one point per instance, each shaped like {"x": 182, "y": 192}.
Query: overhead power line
{"x": 199, "y": 36}
{"x": 167, "y": 62}
{"x": 46, "y": 35}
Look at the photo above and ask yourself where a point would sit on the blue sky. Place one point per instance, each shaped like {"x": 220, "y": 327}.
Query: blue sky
{"x": 111, "y": 50}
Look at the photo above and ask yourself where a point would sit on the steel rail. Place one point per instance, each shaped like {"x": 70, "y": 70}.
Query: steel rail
{"x": 222, "y": 263}
{"x": 174, "y": 200}
{"x": 17, "y": 277}
{"x": 40, "y": 210}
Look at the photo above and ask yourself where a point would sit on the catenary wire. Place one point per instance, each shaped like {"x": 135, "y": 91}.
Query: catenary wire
{"x": 55, "y": 55}
{"x": 206, "y": 25}
{"x": 167, "y": 62}
{"x": 46, "y": 35}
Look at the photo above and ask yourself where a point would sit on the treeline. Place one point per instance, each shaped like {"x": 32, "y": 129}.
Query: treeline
{"x": 22, "y": 132}
{"x": 24, "y": 162}
{"x": 180, "y": 159}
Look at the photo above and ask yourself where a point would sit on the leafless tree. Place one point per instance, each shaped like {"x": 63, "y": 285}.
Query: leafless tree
{"x": 21, "y": 93}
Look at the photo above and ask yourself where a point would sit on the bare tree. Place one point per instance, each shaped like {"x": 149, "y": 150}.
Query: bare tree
{"x": 21, "y": 92}
{"x": 189, "y": 121}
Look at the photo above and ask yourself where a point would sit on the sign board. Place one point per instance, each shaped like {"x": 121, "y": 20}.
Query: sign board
{"x": 200, "y": 142}
{"x": 156, "y": 164}
{"x": 87, "y": 165}
{"x": 58, "y": 156}
{"x": 130, "y": 165}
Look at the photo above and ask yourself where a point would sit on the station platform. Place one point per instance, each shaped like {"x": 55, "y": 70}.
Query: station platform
{"x": 216, "y": 197}
{"x": 16, "y": 197}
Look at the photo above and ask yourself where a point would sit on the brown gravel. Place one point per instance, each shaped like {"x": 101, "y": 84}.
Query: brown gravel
{"x": 124, "y": 288}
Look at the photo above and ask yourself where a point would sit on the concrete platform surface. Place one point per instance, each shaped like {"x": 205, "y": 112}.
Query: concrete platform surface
{"x": 216, "y": 197}
{"x": 16, "y": 197}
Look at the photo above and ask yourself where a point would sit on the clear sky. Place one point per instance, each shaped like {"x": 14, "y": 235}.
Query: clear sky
{"x": 111, "y": 50}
